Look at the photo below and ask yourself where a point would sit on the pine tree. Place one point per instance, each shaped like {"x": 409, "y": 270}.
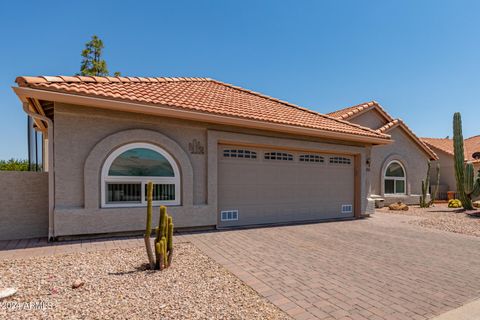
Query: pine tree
{"x": 92, "y": 62}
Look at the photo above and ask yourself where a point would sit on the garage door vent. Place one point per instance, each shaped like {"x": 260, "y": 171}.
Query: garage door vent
{"x": 229, "y": 215}
{"x": 347, "y": 208}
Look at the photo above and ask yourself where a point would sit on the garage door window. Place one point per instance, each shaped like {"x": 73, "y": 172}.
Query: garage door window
{"x": 278, "y": 156}
{"x": 311, "y": 158}
{"x": 128, "y": 170}
{"x": 394, "y": 178}
{"x": 239, "y": 153}
{"x": 340, "y": 160}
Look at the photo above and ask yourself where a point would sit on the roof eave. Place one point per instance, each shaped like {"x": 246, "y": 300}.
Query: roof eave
{"x": 160, "y": 110}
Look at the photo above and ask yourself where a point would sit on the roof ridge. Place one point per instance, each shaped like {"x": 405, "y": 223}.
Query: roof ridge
{"x": 389, "y": 125}
{"x": 349, "y": 112}
{"x": 23, "y": 80}
{"x": 292, "y": 105}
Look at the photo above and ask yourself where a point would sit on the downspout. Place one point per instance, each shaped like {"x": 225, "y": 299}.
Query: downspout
{"x": 51, "y": 175}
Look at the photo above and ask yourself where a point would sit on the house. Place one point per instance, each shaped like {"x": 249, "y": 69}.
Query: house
{"x": 219, "y": 155}
{"x": 397, "y": 169}
{"x": 444, "y": 149}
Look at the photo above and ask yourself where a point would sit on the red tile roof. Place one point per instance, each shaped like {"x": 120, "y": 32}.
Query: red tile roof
{"x": 471, "y": 145}
{"x": 350, "y": 112}
{"x": 196, "y": 94}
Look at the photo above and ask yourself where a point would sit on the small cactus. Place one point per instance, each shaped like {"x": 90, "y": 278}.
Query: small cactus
{"x": 163, "y": 236}
{"x": 148, "y": 229}
{"x": 433, "y": 195}
{"x": 425, "y": 187}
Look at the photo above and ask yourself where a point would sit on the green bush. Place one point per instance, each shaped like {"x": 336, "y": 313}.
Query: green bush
{"x": 14, "y": 165}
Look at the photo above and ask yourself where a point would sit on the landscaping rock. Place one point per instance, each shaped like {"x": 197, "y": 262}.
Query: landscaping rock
{"x": 77, "y": 284}
{"x": 7, "y": 292}
{"x": 399, "y": 206}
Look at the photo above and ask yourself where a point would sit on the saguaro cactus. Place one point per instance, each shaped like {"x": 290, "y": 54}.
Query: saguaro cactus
{"x": 467, "y": 185}
{"x": 472, "y": 184}
{"x": 425, "y": 187}
{"x": 163, "y": 236}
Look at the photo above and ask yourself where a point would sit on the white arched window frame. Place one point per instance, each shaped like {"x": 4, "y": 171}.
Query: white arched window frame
{"x": 142, "y": 181}
{"x": 398, "y": 184}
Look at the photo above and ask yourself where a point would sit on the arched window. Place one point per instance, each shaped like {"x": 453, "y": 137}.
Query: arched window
{"x": 128, "y": 170}
{"x": 395, "y": 178}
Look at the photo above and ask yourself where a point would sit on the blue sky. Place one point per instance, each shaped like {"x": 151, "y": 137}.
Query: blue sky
{"x": 419, "y": 59}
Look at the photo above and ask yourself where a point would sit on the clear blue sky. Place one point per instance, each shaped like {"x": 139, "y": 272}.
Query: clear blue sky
{"x": 419, "y": 59}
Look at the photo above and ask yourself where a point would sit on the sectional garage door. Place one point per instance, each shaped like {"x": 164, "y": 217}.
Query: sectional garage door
{"x": 261, "y": 186}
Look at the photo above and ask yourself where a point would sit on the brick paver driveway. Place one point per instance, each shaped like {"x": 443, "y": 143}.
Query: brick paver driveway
{"x": 377, "y": 268}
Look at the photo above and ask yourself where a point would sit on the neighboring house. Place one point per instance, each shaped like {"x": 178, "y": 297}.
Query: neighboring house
{"x": 444, "y": 149}
{"x": 219, "y": 155}
{"x": 397, "y": 169}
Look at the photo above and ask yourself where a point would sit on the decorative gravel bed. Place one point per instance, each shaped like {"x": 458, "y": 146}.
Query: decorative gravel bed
{"x": 443, "y": 218}
{"x": 117, "y": 286}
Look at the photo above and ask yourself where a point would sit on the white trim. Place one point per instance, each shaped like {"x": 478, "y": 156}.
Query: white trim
{"x": 395, "y": 179}
{"x": 142, "y": 180}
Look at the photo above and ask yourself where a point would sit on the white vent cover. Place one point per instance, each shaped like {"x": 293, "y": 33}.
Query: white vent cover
{"x": 229, "y": 215}
{"x": 347, "y": 208}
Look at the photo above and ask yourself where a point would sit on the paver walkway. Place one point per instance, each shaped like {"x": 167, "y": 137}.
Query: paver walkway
{"x": 377, "y": 268}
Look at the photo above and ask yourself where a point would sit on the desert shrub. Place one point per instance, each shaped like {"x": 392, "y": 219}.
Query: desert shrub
{"x": 454, "y": 203}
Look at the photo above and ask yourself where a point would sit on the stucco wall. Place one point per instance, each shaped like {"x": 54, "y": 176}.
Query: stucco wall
{"x": 23, "y": 205}
{"x": 84, "y": 137}
{"x": 410, "y": 155}
{"x": 447, "y": 170}
{"x": 370, "y": 119}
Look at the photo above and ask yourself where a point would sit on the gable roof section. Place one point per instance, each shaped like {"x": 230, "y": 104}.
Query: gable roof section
{"x": 350, "y": 113}
{"x": 471, "y": 145}
{"x": 200, "y": 95}
{"x": 399, "y": 123}
{"x": 354, "y": 111}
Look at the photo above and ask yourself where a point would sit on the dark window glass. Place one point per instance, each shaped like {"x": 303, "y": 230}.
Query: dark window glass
{"x": 124, "y": 192}
{"x": 162, "y": 192}
{"x": 141, "y": 162}
{"x": 399, "y": 186}
{"x": 394, "y": 170}
{"x": 389, "y": 186}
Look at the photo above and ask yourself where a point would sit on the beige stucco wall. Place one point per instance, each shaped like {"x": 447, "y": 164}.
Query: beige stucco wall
{"x": 84, "y": 137}
{"x": 414, "y": 159}
{"x": 23, "y": 205}
{"x": 403, "y": 149}
{"x": 447, "y": 170}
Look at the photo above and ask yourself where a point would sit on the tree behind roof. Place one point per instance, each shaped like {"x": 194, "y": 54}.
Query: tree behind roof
{"x": 92, "y": 62}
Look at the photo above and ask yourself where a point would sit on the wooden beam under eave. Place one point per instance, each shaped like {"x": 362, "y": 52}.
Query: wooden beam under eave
{"x": 35, "y": 107}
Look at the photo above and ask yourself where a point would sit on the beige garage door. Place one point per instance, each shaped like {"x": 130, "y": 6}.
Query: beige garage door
{"x": 260, "y": 186}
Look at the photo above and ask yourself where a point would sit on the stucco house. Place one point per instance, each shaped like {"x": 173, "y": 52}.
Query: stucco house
{"x": 397, "y": 169}
{"x": 443, "y": 147}
{"x": 219, "y": 155}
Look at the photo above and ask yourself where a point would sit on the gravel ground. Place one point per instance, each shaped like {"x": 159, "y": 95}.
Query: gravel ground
{"x": 442, "y": 218}
{"x": 117, "y": 286}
